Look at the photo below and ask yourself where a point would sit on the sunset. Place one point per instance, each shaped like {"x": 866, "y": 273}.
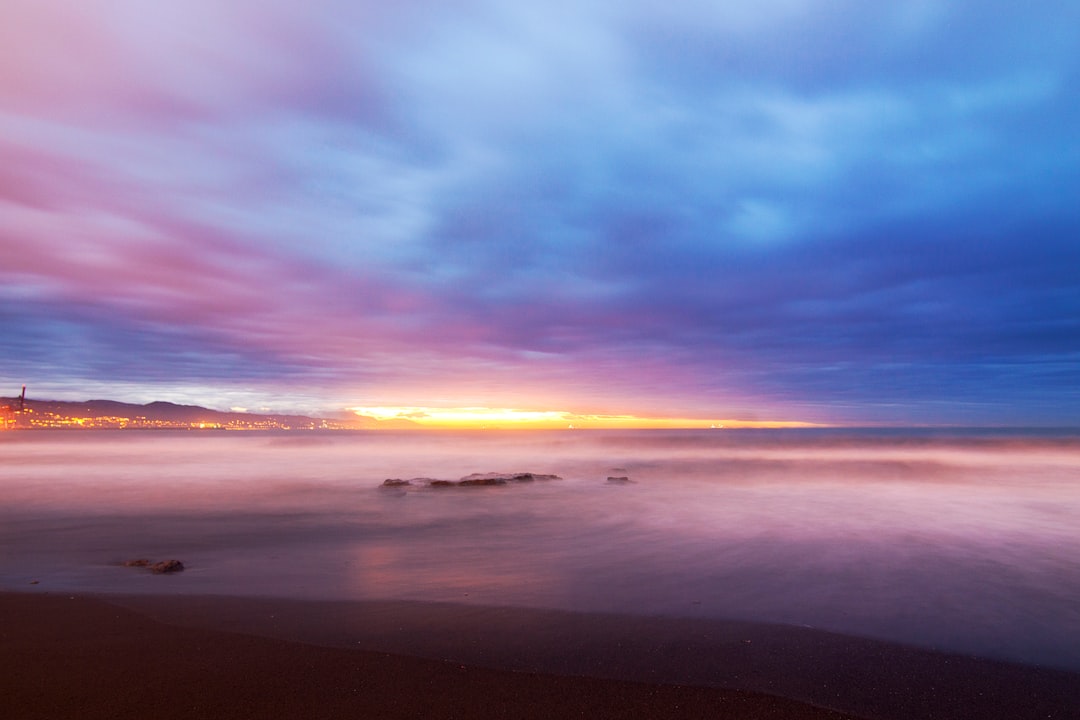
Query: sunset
{"x": 505, "y": 418}
{"x": 484, "y": 359}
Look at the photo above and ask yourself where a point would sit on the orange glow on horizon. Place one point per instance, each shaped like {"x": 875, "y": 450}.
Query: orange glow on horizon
{"x": 481, "y": 418}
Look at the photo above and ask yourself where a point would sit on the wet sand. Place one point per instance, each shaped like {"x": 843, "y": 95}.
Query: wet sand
{"x": 66, "y": 656}
{"x": 222, "y": 657}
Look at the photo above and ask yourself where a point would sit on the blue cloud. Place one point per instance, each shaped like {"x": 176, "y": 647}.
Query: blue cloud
{"x": 843, "y": 205}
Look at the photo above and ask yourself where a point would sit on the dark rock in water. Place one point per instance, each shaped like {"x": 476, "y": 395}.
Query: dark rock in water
{"x": 621, "y": 480}
{"x": 483, "y": 481}
{"x": 395, "y": 482}
{"x": 482, "y": 476}
{"x": 508, "y": 477}
{"x": 167, "y": 566}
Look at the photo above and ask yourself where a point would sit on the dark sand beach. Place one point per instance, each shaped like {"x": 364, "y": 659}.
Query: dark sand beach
{"x": 80, "y": 657}
{"x": 65, "y": 655}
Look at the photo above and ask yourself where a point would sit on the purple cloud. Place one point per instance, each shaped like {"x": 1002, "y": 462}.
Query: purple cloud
{"x": 822, "y": 211}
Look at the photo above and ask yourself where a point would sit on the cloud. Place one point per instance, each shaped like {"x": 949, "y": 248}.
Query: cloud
{"x": 689, "y": 205}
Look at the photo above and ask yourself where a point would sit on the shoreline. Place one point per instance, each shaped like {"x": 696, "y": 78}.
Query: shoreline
{"x": 242, "y": 653}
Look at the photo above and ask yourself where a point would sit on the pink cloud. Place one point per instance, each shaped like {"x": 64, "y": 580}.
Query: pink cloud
{"x": 125, "y": 62}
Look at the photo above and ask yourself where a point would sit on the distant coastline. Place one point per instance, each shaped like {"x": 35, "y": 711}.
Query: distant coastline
{"x": 18, "y": 414}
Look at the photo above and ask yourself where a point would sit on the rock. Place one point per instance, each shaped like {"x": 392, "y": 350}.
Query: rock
{"x": 507, "y": 477}
{"x": 620, "y": 480}
{"x": 34, "y": 582}
{"x": 483, "y": 481}
{"x": 471, "y": 479}
{"x": 167, "y": 566}
{"x": 395, "y": 482}
{"x": 141, "y": 562}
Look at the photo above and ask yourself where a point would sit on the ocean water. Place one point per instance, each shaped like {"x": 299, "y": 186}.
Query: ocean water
{"x": 960, "y": 541}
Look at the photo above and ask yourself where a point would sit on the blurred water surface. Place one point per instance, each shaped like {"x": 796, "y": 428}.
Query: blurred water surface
{"x": 963, "y": 541}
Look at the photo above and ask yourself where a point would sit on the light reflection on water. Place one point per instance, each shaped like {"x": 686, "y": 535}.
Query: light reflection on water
{"x": 966, "y": 542}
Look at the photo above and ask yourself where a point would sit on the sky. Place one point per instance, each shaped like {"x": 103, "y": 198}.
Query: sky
{"x": 824, "y": 211}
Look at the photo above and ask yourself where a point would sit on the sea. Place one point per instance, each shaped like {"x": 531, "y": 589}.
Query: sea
{"x": 966, "y": 541}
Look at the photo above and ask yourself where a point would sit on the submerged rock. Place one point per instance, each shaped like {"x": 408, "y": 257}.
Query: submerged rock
{"x": 167, "y": 566}
{"x": 487, "y": 479}
{"x": 509, "y": 477}
{"x": 482, "y": 481}
{"x": 620, "y": 480}
{"x": 161, "y": 567}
